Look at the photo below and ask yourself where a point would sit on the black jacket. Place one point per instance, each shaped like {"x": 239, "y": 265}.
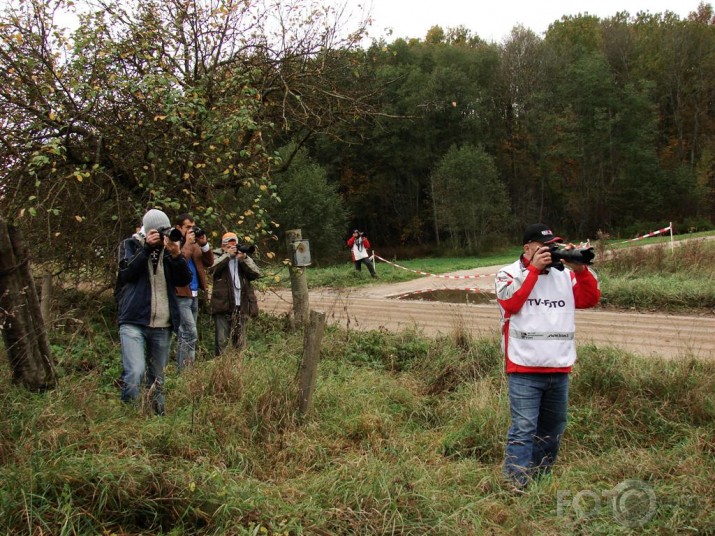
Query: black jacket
{"x": 135, "y": 294}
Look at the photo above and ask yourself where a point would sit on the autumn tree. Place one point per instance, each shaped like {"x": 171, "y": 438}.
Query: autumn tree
{"x": 162, "y": 103}
{"x": 310, "y": 203}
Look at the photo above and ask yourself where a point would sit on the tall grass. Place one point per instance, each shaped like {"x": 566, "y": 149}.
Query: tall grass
{"x": 660, "y": 278}
{"x": 406, "y": 436}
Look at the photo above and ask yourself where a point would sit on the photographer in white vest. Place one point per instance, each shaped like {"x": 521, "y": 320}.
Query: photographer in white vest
{"x": 537, "y": 299}
{"x": 359, "y": 246}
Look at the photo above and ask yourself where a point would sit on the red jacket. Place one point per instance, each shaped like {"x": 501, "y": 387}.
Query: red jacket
{"x": 365, "y": 244}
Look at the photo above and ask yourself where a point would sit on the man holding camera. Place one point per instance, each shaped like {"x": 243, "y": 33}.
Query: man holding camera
{"x": 233, "y": 298}
{"x": 198, "y": 255}
{"x": 150, "y": 268}
{"x": 359, "y": 244}
{"x": 537, "y": 299}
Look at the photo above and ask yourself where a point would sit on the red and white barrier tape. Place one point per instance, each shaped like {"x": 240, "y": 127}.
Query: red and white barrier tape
{"x": 430, "y": 290}
{"x": 476, "y": 276}
{"x": 654, "y": 233}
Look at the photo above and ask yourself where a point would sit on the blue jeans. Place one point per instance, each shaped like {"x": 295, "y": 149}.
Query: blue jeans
{"x": 188, "y": 333}
{"x": 145, "y": 352}
{"x": 538, "y": 405}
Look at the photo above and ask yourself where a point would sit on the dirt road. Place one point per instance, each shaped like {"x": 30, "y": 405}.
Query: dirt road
{"x": 375, "y": 307}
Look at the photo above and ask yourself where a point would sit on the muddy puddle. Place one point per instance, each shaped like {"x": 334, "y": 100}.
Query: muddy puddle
{"x": 466, "y": 296}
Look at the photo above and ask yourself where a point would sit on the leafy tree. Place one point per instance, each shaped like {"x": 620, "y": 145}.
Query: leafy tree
{"x": 310, "y": 203}
{"x": 435, "y": 93}
{"x": 523, "y": 82}
{"x": 159, "y": 103}
{"x": 601, "y": 145}
{"x": 471, "y": 203}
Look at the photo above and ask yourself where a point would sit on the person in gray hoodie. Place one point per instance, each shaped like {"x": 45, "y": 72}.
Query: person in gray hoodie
{"x": 150, "y": 268}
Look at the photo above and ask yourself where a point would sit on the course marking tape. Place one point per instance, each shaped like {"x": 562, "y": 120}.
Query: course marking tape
{"x": 654, "y": 233}
{"x": 476, "y": 276}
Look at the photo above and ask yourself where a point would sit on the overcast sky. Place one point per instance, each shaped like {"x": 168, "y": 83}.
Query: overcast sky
{"x": 493, "y": 20}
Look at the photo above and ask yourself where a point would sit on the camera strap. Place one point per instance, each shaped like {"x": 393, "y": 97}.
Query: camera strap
{"x": 154, "y": 257}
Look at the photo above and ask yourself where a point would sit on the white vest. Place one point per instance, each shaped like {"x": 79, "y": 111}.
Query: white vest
{"x": 542, "y": 333}
{"x": 358, "y": 250}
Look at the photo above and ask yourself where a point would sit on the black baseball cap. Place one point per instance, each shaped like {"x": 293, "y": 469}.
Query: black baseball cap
{"x": 538, "y": 232}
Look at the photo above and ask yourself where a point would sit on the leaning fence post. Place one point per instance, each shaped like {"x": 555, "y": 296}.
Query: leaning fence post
{"x": 308, "y": 371}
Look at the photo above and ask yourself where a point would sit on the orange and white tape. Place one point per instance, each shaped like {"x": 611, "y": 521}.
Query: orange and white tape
{"x": 475, "y": 276}
{"x": 654, "y": 233}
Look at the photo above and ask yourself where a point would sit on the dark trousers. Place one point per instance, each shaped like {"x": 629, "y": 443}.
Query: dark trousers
{"x": 367, "y": 262}
{"x": 230, "y": 329}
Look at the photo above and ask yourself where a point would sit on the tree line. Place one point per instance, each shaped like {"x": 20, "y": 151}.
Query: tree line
{"x": 601, "y": 125}
{"x": 259, "y": 117}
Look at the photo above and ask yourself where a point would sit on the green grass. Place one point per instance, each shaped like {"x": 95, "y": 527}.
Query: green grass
{"x": 660, "y": 279}
{"x": 406, "y": 436}
{"x": 345, "y": 275}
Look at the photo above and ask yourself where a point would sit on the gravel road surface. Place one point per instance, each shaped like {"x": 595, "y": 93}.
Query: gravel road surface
{"x": 375, "y": 307}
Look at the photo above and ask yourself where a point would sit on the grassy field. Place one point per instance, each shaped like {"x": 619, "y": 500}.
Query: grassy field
{"x": 406, "y": 435}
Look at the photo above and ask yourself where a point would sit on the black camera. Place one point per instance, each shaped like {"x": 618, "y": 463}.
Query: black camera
{"x": 576, "y": 256}
{"x": 199, "y": 232}
{"x": 172, "y": 233}
{"x": 248, "y": 250}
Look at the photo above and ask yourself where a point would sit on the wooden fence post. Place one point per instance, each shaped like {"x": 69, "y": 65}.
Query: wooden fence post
{"x": 298, "y": 282}
{"x": 311, "y": 357}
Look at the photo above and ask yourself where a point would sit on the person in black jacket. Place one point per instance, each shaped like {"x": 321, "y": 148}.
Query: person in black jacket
{"x": 150, "y": 268}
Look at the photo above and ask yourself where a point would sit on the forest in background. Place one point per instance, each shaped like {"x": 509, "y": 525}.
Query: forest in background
{"x": 437, "y": 144}
{"x": 601, "y": 125}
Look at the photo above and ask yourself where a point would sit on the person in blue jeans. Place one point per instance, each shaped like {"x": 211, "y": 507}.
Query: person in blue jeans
{"x": 199, "y": 256}
{"x": 150, "y": 268}
{"x": 537, "y": 299}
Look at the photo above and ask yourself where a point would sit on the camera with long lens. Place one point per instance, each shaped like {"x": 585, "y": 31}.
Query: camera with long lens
{"x": 576, "y": 256}
{"x": 199, "y": 232}
{"x": 172, "y": 233}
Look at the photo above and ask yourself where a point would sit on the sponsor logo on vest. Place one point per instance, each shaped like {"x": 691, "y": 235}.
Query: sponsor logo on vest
{"x": 564, "y": 336}
{"x": 547, "y": 303}
{"x": 542, "y": 336}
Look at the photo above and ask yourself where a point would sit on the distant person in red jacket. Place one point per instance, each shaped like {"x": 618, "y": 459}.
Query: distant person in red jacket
{"x": 538, "y": 299}
{"x": 359, "y": 244}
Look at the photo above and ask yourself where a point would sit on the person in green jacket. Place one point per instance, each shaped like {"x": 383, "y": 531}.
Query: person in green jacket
{"x": 233, "y": 299}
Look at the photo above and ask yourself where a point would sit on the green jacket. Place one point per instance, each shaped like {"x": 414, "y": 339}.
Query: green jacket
{"x": 223, "y": 299}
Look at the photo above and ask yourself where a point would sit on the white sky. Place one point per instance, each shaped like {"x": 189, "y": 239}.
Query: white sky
{"x": 492, "y": 20}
